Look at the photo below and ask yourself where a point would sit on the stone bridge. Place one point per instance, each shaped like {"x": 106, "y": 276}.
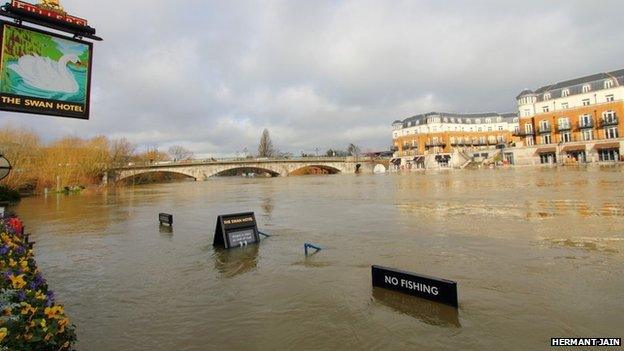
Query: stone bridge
{"x": 202, "y": 170}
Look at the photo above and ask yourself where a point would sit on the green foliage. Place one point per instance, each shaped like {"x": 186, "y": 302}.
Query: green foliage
{"x": 8, "y": 194}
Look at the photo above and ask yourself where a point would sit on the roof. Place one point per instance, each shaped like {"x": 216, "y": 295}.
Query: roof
{"x": 575, "y": 85}
{"x": 465, "y": 117}
{"x": 524, "y": 93}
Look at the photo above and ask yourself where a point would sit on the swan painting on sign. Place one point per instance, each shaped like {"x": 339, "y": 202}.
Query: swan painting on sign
{"x": 44, "y": 73}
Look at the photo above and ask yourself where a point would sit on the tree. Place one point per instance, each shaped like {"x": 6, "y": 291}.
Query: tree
{"x": 121, "y": 152}
{"x": 179, "y": 153}
{"x": 353, "y": 150}
{"x": 265, "y": 147}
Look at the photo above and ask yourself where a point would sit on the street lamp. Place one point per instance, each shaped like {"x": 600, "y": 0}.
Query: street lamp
{"x": 5, "y": 167}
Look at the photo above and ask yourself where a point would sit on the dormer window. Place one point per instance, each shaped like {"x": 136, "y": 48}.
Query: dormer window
{"x": 586, "y": 88}
{"x": 499, "y": 119}
{"x": 547, "y": 96}
{"x": 445, "y": 120}
{"x": 608, "y": 84}
{"x": 565, "y": 92}
{"x": 478, "y": 121}
{"x": 452, "y": 120}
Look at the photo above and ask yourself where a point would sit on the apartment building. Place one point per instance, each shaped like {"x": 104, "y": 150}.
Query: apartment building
{"x": 576, "y": 121}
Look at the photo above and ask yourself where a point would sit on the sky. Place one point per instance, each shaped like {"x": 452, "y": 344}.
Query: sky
{"x": 211, "y": 75}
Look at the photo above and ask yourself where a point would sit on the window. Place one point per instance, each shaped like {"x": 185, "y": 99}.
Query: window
{"x": 488, "y": 120}
{"x": 563, "y": 123}
{"x": 609, "y": 155}
{"x": 587, "y": 135}
{"x": 611, "y": 133}
{"x": 566, "y": 137}
{"x": 609, "y": 116}
{"x": 610, "y": 98}
{"x": 547, "y": 96}
{"x": 529, "y": 141}
{"x": 548, "y": 158}
{"x": 585, "y": 102}
{"x": 478, "y": 121}
{"x": 546, "y": 139}
{"x": 586, "y": 88}
{"x": 565, "y": 106}
{"x": 489, "y": 129}
{"x": 499, "y": 119}
{"x": 545, "y": 109}
{"x": 480, "y": 129}
{"x": 445, "y": 120}
{"x": 608, "y": 84}
{"x": 528, "y": 128}
{"x": 565, "y": 92}
{"x": 585, "y": 121}
{"x": 500, "y": 127}
{"x": 452, "y": 120}
{"x": 527, "y": 113}
{"x": 544, "y": 126}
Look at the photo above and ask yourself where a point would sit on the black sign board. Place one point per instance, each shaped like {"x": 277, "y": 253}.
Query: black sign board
{"x": 439, "y": 290}
{"x": 165, "y": 218}
{"x": 236, "y": 230}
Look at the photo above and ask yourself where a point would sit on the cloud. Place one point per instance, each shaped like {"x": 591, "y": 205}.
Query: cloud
{"x": 210, "y": 75}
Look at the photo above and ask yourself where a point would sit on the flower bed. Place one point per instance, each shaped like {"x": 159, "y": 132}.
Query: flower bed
{"x": 30, "y": 320}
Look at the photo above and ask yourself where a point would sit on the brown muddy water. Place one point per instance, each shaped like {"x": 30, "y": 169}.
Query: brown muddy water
{"x": 537, "y": 253}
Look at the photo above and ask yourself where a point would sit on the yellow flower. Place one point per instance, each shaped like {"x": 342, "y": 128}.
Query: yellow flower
{"x": 17, "y": 282}
{"x": 48, "y": 337}
{"x": 51, "y": 312}
{"x": 28, "y": 309}
{"x": 12, "y": 262}
{"x": 8, "y": 311}
{"x": 40, "y": 296}
{"x": 3, "y": 333}
{"x": 43, "y": 323}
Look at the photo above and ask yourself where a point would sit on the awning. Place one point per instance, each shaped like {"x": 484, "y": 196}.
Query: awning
{"x": 547, "y": 150}
{"x": 569, "y": 148}
{"x": 419, "y": 159}
{"x": 396, "y": 161}
{"x": 614, "y": 145}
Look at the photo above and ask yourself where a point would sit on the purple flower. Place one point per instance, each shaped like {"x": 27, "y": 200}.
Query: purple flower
{"x": 4, "y": 250}
{"x": 7, "y": 274}
{"x": 50, "y": 297}
{"x": 20, "y": 250}
{"x": 21, "y": 295}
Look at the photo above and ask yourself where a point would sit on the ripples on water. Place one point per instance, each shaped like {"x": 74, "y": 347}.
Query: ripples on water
{"x": 537, "y": 253}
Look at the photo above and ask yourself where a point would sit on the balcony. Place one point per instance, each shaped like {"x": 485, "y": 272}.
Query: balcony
{"x": 586, "y": 124}
{"x": 545, "y": 129}
{"x": 564, "y": 127}
{"x": 435, "y": 143}
{"x": 523, "y": 133}
{"x": 607, "y": 122}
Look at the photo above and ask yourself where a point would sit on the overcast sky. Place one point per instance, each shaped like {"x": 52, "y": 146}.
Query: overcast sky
{"x": 210, "y": 75}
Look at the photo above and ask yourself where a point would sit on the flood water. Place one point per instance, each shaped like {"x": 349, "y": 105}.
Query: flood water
{"x": 537, "y": 253}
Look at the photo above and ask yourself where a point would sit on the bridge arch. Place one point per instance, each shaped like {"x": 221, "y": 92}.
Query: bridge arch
{"x": 314, "y": 169}
{"x": 241, "y": 170}
{"x": 160, "y": 173}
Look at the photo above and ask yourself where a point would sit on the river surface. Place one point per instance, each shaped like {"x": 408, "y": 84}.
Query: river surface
{"x": 537, "y": 253}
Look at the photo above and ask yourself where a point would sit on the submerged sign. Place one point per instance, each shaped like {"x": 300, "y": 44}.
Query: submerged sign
{"x": 236, "y": 230}
{"x": 44, "y": 73}
{"x": 439, "y": 290}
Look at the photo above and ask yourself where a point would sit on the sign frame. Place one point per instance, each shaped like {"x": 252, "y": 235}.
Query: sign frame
{"x": 445, "y": 290}
{"x": 39, "y": 111}
{"x": 235, "y": 223}
{"x": 165, "y": 218}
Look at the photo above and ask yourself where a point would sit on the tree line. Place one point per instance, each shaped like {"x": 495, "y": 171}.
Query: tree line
{"x": 70, "y": 161}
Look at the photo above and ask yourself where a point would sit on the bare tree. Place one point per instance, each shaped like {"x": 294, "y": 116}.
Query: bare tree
{"x": 265, "y": 147}
{"x": 353, "y": 150}
{"x": 121, "y": 152}
{"x": 179, "y": 153}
